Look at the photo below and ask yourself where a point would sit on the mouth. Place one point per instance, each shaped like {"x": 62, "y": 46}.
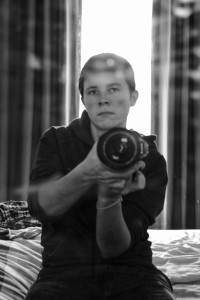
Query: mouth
{"x": 105, "y": 113}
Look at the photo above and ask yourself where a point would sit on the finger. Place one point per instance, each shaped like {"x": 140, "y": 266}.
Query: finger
{"x": 139, "y": 165}
{"x": 138, "y": 183}
{"x": 139, "y": 180}
{"x": 117, "y": 185}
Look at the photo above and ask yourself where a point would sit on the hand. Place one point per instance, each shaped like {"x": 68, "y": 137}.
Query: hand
{"x": 125, "y": 185}
{"x": 95, "y": 171}
{"x": 107, "y": 194}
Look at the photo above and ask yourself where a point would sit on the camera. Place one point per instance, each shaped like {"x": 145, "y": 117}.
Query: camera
{"x": 120, "y": 148}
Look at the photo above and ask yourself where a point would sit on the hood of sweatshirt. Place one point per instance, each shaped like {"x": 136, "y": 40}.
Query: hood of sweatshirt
{"x": 81, "y": 129}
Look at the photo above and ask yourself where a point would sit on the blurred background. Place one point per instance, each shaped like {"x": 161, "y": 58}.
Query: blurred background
{"x": 44, "y": 44}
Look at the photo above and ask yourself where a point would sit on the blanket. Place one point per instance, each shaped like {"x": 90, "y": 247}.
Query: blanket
{"x": 15, "y": 215}
{"x": 177, "y": 254}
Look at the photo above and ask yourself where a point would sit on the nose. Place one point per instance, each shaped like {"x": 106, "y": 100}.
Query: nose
{"x": 103, "y": 99}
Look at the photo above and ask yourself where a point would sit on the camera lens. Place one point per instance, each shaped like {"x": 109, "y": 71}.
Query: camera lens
{"x": 118, "y": 148}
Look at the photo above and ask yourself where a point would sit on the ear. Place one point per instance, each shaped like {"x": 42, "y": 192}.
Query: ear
{"x": 134, "y": 96}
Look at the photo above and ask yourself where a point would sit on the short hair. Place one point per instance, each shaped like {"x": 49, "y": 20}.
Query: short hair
{"x": 107, "y": 62}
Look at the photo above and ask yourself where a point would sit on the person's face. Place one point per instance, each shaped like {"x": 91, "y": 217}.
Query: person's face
{"x": 107, "y": 99}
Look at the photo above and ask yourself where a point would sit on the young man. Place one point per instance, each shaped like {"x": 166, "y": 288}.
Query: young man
{"x": 96, "y": 245}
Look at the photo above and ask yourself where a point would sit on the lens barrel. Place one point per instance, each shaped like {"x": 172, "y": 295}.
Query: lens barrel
{"x": 120, "y": 148}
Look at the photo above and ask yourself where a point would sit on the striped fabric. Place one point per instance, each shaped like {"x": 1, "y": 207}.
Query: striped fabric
{"x": 20, "y": 262}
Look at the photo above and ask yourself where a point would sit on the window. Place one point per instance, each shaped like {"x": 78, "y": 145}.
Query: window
{"x": 122, "y": 27}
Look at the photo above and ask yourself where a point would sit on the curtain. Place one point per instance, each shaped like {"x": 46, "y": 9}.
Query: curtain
{"x": 39, "y": 44}
{"x": 176, "y": 107}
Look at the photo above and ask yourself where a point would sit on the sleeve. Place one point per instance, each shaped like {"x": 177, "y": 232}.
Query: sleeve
{"x": 48, "y": 166}
{"x": 142, "y": 207}
{"x": 48, "y": 161}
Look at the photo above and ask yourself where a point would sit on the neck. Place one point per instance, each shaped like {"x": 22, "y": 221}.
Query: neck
{"x": 96, "y": 133}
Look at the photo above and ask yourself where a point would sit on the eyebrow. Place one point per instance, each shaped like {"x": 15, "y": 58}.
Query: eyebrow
{"x": 91, "y": 87}
{"x": 114, "y": 83}
{"x": 109, "y": 85}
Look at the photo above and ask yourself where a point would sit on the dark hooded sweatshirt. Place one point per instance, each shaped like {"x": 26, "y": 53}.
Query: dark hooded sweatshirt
{"x": 70, "y": 240}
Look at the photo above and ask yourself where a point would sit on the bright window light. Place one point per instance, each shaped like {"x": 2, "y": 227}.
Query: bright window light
{"x": 122, "y": 27}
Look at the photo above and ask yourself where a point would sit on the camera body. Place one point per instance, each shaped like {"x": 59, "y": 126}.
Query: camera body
{"x": 120, "y": 148}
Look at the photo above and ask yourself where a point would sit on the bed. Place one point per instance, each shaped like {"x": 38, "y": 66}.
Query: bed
{"x": 175, "y": 252}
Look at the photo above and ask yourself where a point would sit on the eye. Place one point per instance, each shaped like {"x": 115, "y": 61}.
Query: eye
{"x": 113, "y": 90}
{"x": 93, "y": 92}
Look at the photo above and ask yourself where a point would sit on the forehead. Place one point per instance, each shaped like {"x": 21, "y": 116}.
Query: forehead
{"x": 103, "y": 78}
